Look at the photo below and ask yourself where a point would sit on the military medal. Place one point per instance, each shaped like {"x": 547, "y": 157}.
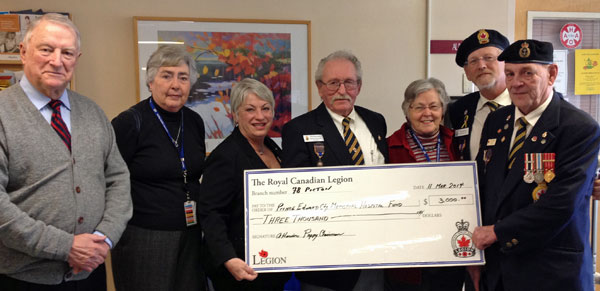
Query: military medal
{"x": 319, "y": 149}
{"x": 541, "y": 166}
{"x": 528, "y": 177}
{"x": 538, "y": 172}
{"x": 539, "y": 191}
{"x": 549, "y": 167}
{"x": 487, "y": 156}
{"x": 462, "y": 145}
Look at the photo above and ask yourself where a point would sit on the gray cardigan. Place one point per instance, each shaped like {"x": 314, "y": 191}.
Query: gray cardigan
{"x": 48, "y": 194}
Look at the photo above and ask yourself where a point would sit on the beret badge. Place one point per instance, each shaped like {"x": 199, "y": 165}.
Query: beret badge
{"x": 524, "y": 52}
{"x": 483, "y": 36}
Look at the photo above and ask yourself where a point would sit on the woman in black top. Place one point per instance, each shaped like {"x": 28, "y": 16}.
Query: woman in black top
{"x": 221, "y": 205}
{"x": 160, "y": 248}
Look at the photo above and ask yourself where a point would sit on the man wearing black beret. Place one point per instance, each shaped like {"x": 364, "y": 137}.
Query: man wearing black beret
{"x": 478, "y": 56}
{"x": 536, "y": 168}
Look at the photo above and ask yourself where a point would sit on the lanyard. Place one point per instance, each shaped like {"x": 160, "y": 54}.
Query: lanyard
{"x": 179, "y": 148}
{"x": 439, "y": 141}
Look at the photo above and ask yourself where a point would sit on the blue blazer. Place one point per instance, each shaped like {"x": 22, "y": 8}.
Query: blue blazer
{"x": 542, "y": 245}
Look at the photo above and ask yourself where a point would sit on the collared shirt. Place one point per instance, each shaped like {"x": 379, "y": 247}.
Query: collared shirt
{"x": 372, "y": 155}
{"x": 481, "y": 114}
{"x": 40, "y": 101}
{"x": 532, "y": 118}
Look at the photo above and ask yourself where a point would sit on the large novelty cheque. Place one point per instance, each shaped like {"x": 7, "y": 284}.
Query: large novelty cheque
{"x": 402, "y": 215}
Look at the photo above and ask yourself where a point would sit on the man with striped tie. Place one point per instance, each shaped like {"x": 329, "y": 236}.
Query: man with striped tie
{"x": 337, "y": 133}
{"x": 536, "y": 168}
{"x": 64, "y": 188}
{"x": 478, "y": 56}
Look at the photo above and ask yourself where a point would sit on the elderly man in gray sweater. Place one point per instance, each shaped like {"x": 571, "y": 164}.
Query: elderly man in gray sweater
{"x": 64, "y": 188}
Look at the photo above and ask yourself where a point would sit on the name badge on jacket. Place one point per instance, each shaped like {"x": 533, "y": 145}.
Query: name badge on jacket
{"x": 313, "y": 138}
{"x": 461, "y": 132}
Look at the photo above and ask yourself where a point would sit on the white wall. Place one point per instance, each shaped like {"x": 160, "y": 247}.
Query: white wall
{"x": 389, "y": 36}
{"x": 457, "y": 19}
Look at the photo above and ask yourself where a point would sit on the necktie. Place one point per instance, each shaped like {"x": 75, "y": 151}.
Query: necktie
{"x": 492, "y": 105}
{"x": 59, "y": 124}
{"x": 352, "y": 143}
{"x": 519, "y": 141}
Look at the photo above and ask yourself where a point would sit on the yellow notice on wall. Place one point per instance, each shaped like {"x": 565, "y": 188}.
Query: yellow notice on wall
{"x": 587, "y": 72}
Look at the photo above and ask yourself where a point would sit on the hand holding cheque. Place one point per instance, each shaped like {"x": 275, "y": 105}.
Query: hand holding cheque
{"x": 361, "y": 217}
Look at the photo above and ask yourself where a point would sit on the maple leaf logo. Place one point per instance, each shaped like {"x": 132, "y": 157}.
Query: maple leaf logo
{"x": 263, "y": 253}
{"x": 463, "y": 242}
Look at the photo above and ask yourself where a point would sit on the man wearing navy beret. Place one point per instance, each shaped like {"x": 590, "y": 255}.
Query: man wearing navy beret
{"x": 478, "y": 56}
{"x": 536, "y": 166}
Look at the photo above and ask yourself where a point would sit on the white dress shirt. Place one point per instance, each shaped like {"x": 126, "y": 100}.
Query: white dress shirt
{"x": 372, "y": 155}
{"x": 481, "y": 114}
{"x": 532, "y": 118}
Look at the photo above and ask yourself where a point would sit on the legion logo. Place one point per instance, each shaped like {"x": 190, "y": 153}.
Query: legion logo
{"x": 462, "y": 241}
{"x": 264, "y": 259}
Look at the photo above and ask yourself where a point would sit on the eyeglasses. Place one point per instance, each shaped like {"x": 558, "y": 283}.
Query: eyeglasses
{"x": 335, "y": 84}
{"x": 487, "y": 59}
{"x": 421, "y": 108}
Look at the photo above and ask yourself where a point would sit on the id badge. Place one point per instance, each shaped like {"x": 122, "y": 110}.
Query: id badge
{"x": 461, "y": 132}
{"x": 313, "y": 138}
{"x": 190, "y": 213}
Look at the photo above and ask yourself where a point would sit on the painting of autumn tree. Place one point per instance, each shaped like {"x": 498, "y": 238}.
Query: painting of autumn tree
{"x": 224, "y": 58}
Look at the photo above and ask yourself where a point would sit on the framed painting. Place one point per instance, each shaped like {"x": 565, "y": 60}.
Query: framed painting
{"x": 275, "y": 52}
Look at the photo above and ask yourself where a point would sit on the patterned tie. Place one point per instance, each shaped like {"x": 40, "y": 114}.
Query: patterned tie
{"x": 58, "y": 123}
{"x": 492, "y": 105}
{"x": 352, "y": 143}
{"x": 519, "y": 141}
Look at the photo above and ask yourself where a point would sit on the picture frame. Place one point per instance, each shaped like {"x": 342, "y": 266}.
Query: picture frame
{"x": 15, "y": 24}
{"x": 275, "y": 52}
{"x": 12, "y": 32}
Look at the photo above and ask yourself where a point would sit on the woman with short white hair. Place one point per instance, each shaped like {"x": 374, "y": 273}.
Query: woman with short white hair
{"x": 222, "y": 201}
